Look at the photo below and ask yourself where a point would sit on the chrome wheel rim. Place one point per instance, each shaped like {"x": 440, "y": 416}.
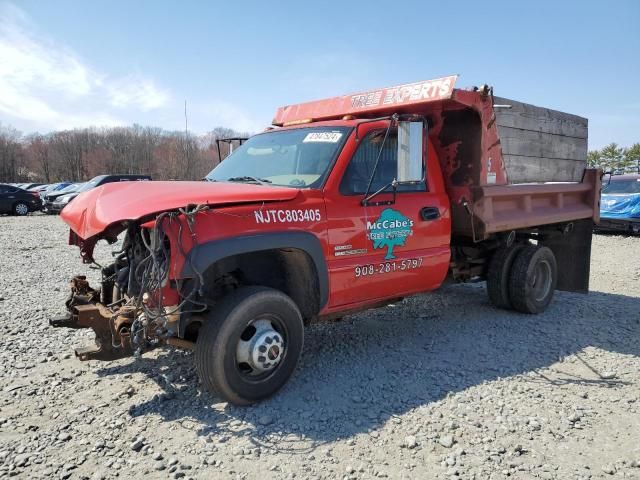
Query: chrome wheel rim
{"x": 261, "y": 348}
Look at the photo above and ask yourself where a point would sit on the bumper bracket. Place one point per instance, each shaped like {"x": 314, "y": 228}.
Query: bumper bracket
{"x": 85, "y": 312}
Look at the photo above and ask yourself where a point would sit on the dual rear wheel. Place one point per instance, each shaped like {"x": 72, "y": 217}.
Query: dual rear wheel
{"x": 522, "y": 277}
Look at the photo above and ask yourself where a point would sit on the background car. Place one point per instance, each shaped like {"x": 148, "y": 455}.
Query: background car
{"x": 38, "y": 188}
{"x": 16, "y": 201}
{"x": 48, "y": 198}
{"x": 620, "y": 204}
{"x": 62, "y": 200}
{"x": 29, "y": 186}
{"x": 43, "y": 190}
{"x": 48, "y": 188}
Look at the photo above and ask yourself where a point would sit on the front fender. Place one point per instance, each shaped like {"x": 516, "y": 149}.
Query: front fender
{"x": 203, "y": 255}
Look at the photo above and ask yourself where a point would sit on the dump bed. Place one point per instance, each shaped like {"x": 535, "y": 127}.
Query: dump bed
{"x": 531, "y": 169}
{"x": 544, "y": 177}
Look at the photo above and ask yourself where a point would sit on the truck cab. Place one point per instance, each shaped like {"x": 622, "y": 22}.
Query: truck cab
{"x": 383, "y": 237}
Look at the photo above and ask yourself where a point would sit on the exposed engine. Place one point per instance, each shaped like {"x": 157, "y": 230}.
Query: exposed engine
{"x": 128, "y": 313}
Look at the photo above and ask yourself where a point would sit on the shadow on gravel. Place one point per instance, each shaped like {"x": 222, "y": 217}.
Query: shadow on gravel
{"x": 358, "y": 374}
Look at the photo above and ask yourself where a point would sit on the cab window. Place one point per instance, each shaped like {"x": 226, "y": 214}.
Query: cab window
{"x": 358, "y": 172}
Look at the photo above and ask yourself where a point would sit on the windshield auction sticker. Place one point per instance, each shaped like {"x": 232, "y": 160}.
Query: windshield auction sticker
{"x": 324, "y": 137}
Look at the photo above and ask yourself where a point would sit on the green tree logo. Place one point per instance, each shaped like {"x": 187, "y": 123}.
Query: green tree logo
{"x": 391, "y": 229}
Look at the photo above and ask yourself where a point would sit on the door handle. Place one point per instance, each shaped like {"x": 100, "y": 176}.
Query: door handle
{"x": 429, "y": 213}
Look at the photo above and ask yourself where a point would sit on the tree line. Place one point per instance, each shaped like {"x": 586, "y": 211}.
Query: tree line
{"x": 616, "y": 159}
{"x": 80, "y": 154}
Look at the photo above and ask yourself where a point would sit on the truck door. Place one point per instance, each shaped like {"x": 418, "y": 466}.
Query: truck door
{"x": 393, "y": 245}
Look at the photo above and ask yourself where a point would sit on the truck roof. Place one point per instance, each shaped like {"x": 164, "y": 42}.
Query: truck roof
{"x": 379, "y": 101}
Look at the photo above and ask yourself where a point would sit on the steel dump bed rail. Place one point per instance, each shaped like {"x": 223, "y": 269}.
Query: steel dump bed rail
{"x": 509, "y": 207}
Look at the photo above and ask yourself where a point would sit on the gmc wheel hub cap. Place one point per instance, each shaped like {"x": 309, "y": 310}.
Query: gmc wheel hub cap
{"x": 264, "y": 348}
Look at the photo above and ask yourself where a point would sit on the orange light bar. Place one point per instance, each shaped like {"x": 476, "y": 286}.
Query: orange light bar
{"x": 297, "y": 122}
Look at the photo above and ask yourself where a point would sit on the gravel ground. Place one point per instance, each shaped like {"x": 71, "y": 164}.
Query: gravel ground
{"x": 438, "y": 386}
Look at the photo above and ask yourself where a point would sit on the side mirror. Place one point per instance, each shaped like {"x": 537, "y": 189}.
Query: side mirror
{"x": 410, "y": 142}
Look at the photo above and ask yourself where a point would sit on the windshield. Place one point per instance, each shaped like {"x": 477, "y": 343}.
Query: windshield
{"x": 622, "y": 186}
{"x": 293, "y": 158}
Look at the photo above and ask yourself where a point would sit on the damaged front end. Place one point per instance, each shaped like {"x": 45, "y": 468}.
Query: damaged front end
{"x": 137, "y": 307}
{"x": 145, "y": 299}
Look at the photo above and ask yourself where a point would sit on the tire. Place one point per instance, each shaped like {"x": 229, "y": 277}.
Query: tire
{"x": 20, "y": 209}
{"x": 533, "y": 279}
{"x": 498, "y": 275}
{"x": 219, "y": 343}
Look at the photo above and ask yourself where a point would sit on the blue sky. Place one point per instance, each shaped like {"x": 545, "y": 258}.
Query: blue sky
{"x": 77, "y": 63}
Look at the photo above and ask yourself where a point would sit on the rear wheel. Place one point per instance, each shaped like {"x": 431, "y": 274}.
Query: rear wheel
{"x": 533, "y": 279}
{"x": 250, "y": 345}
{"x": 498, "y": 275}
{"x": 20, "y": 209}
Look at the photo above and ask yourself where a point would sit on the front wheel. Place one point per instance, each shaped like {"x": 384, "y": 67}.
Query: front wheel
{"x": 249, "y": 345}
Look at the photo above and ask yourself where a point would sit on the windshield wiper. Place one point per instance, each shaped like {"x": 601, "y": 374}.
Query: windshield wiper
{"x": 247, "y": 178}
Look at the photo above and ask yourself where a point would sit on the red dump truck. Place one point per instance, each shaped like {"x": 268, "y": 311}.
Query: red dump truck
{"x": 344, "y": 204}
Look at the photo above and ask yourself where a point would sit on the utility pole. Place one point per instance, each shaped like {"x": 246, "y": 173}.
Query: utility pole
{"x": 185, "y": 120}
{"x": 186, "y": 141}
